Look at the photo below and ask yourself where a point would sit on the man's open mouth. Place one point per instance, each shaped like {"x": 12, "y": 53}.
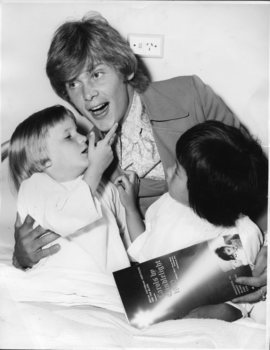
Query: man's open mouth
{"x": 100, "y": 109}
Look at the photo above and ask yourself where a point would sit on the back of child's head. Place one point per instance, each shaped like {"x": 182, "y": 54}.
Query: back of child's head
{"x": 227, "y": 172}
{"x": 27, "y": 150}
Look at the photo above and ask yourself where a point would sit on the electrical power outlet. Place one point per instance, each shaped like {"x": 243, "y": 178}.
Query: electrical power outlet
{"x": 146, "y": 45}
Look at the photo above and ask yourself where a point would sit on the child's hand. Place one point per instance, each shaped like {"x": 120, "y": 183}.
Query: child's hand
{"x": 101, "y": 155}
{"x": 128, "y": 188}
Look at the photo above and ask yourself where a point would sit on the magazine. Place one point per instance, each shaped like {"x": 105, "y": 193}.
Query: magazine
{"x": 170, "y": 286}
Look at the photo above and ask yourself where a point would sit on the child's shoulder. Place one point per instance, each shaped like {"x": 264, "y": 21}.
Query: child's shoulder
{"x": 38, "y": 183}
{"x": 250, "y": 234}
{"x": 37, "y": 179}
{"x": 246, "y": 226}
{"x": 166, "y": 205}
{"x": 161, "y": 201}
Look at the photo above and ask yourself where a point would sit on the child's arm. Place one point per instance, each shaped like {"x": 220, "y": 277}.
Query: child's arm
{"x": 128, "y": 192}
{"x": 225, "y": 312}
{"x": 100, "y": 157}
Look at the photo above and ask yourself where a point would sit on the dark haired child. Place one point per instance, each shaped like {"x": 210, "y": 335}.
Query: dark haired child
{"x": 217, "y": 185}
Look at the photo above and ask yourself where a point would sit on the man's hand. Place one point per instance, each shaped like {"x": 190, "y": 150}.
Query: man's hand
{"x": 259, "y": 280}
{"x": 29, "y": 243}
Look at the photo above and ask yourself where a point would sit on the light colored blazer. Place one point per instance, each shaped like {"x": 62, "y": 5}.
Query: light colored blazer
{"x": 173, "y": 107}
{"x": 177, "y": 104}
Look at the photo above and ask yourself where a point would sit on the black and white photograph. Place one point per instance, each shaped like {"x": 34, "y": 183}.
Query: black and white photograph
{"x": 130, "y": 131}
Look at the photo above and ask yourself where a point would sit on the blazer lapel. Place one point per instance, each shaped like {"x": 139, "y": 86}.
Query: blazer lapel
{"x": 168, "y": 120}
{"x": 161, "y": 107}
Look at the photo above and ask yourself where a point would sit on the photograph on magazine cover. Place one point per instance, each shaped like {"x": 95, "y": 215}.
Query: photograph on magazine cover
{"x": 95, "y": 96}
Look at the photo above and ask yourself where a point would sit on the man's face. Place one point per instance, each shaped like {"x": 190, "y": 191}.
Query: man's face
{"x": 100, "y": 95}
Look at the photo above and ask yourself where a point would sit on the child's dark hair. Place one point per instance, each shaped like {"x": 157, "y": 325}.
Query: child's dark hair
{"x": 227, "y": 172}
{"x": 27, "y": 150}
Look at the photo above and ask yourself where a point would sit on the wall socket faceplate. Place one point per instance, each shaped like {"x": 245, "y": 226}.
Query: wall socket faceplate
{"x": 146, "y": 45}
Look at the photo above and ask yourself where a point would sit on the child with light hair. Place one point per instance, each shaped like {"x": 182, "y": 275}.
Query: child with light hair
{"x": 58, "y": 178}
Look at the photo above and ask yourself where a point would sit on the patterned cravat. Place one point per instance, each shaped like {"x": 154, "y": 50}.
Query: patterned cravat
{"x": 135, "y": 146}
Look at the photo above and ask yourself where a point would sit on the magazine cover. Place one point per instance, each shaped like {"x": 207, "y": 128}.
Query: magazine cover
{"x": 170, "y": 286}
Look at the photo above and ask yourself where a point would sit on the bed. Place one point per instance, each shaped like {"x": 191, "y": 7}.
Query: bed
{"x": 89, "y": 320}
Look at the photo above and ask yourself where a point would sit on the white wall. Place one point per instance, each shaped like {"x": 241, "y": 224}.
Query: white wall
{"x": 226, "y": 44}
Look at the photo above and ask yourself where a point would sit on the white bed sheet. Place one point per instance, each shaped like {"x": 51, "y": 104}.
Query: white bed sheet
{"x": 39, "y": 325}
